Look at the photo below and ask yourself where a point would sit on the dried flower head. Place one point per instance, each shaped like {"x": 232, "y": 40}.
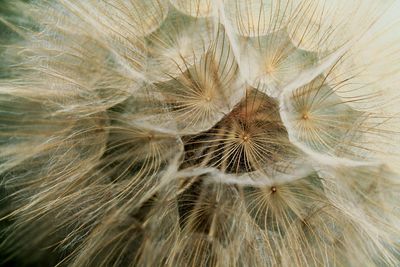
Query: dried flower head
{"x": 200, "y": 133}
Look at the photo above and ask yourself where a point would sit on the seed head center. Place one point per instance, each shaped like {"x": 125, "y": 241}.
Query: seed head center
{"x": 245, "y": 137}
{"x": 207, "y": 97}
{"x": 269, "y": 69}
{"x": 150, "y": 137}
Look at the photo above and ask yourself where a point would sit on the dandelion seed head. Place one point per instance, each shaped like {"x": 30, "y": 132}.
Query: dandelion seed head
{"x": 200, "y": 133}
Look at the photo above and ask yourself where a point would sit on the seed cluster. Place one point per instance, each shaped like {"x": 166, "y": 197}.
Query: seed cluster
{"x": 201, "y": 133}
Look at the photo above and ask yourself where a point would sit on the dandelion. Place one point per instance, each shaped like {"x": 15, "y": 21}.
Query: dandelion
{"x": 200, "y": 133}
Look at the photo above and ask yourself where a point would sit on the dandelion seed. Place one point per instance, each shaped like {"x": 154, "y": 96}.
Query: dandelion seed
{"x": 257, "y": 18}
{"x": 271, "y": 61}
{"x": 249, "y": 139}
{"x": 325, "y": 25}
{"x": 195, "y": 8}
{"x": 177, "y": 45}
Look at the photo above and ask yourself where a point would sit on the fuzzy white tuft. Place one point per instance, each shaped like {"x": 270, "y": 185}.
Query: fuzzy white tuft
{"x": 200, "y": 133}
